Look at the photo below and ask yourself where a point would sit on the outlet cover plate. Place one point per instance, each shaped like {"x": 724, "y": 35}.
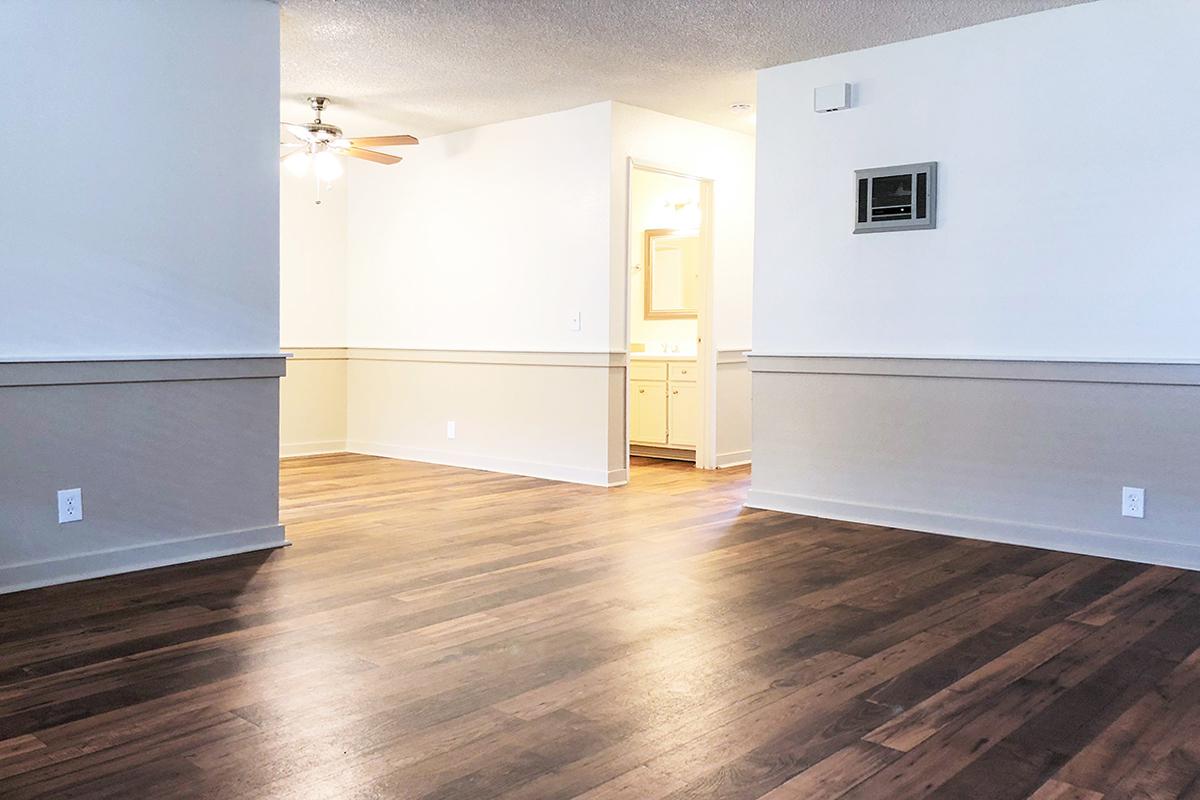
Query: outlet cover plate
{"x": 70, "y": 505}
{"x": 1133, "y": 502}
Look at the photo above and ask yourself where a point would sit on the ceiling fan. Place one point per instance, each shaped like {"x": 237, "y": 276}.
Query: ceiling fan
{"x": 319, "y": 144}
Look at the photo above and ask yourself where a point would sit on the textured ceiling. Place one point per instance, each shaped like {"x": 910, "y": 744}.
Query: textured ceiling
{"x": 433, "y": 66}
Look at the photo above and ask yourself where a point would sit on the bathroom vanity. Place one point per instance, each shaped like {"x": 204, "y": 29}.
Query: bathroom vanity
{"x": 664, "y": 406}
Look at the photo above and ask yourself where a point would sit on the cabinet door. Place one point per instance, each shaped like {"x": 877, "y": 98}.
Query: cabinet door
{"x": 648, "y": 412}
{"x": 684, "y": 413}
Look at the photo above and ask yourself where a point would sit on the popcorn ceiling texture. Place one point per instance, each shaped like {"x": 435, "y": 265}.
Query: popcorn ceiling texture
{"x": 434, "y": 66}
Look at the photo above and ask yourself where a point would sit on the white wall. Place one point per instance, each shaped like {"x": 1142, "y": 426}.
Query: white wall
{"x": 1065, "y": 142}
{"x": 487, "y": 238}
{"x": 138, "y": 209}
{"x": 650, "y": 190}
{"x": 727, "y": 158}
{"x": 312, "y": 311}
{"x": 704, "y": 151}
{"x": 312, "y": 256}
{"x": 139, "y": 216}
{"x": 1066, "y": 146}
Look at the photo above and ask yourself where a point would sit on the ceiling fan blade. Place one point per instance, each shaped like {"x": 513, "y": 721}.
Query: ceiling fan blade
{"x": 368, "y": 155}
{"x": 382, "y": 141}
{"x": 300, "y": 132}
{"x": 291, "y": 150}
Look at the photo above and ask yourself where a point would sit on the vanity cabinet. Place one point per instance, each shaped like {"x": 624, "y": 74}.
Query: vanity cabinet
{"x": 664, "y": 404}
{"x": 648, "y": 412}
{"x": 683, "y": 414}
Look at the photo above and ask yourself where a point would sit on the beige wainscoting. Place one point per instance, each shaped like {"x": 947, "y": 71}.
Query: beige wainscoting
{"x": 556, "y": 415}
{"x": 549, "y": 415}
{"x": 540, "y": 414}
{"x": 176, "y": 458}
{"x": 312, "y": 402}
{"x": 1029, "y": 452}
{"x": 733, "y": 408}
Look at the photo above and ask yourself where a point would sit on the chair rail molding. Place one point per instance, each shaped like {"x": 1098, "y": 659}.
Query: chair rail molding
{"x": 63, "y": 371}
{"x": 1170, "y": 373}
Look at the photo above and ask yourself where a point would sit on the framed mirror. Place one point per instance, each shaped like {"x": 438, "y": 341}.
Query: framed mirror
{"x": 672, "y": 262}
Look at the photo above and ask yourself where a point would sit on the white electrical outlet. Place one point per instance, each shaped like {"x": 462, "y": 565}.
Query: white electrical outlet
{"x": 1133, "y": 502}
{"x": 576, "y": 322}
{"x": 449, "y": 430}
{"x": 70, "y": 505}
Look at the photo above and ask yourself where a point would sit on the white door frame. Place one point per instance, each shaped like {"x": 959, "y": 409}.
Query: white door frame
{"x": 706, "y": 352}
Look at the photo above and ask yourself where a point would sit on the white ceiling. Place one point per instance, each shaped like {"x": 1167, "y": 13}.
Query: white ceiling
{"x": 432, "y": 66}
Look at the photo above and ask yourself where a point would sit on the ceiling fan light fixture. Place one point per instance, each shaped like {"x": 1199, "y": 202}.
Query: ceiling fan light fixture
{"x": 324, "y": 146}
{"x": 297, "y": 163}
{"x": 327, "y": 166}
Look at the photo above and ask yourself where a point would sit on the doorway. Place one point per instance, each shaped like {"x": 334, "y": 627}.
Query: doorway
{"x": 671, "y": 405}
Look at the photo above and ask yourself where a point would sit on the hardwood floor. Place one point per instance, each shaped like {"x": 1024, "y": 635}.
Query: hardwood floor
{"x": 442, "y": 633}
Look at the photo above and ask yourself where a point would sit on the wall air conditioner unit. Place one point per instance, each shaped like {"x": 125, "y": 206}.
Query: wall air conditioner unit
{"x": 902, "y": 198}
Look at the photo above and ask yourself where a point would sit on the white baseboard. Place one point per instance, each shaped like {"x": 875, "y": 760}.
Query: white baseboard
{"x": 1046, "y": 537}
{"x": 292, "y": 449}
{"x": 735, "y": 459}
{"x": 32, "y": 575}
{"x": 532, "y": 469}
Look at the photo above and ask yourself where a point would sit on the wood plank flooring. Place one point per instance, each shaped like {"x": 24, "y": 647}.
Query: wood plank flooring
{"x": 441, "y": 633}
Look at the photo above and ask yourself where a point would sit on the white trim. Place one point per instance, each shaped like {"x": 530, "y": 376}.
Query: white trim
{"x": 1046, "y": 537}
{"x": 70, "y": 359}
{"x": 732, "y": 356}
{"x": 983, "y": 358}
{"x": 532, "y": 358}
{"x": 706, "y": 352}
{"x": 1140, "y": 372}
{"x": 735, "y": 459}
{"x": 706, "y": 349}
{"x": 121, "y": 560}
{"x": 138, "y": 369}
{"x": 294, "y": 449}
{"x": 626, "y": 295}
{"x": 317, "y": 353}
{"x": 532, "y": 469}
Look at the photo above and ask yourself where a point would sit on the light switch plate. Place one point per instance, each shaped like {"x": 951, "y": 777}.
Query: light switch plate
{"x": 576, "y": 323}
{"x": 450, "y": 430}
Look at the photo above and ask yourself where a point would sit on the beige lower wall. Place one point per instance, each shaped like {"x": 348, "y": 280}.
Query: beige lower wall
{"x": 552, "y": 415}
{"x": 545, "y": 420}
{"x": 312, "y": 402}
{"x": 1032, "y": 453}
{"x": 177, "y": 460}
{"x": 733, "y": 408}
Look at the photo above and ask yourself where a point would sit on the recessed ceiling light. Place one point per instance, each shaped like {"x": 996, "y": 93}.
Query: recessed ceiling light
{"x": 741, "y": 108}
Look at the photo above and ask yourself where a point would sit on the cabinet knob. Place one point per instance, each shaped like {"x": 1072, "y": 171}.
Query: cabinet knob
{"x": 675, "y": 392}
{"x": 683, "y": 371}
{"x": 641, "y": 391}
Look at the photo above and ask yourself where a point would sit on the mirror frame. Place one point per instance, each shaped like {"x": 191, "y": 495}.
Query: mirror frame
{"x": 648, "y": 311}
